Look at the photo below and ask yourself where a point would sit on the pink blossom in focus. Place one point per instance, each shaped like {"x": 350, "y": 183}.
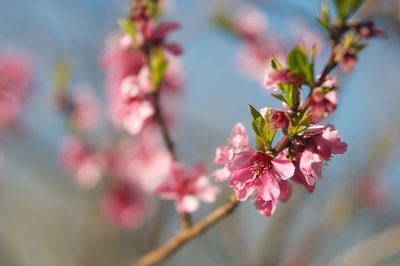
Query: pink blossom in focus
{"x": 84, "y": 164}
{"x": 251, "y": 23}
{"x": 323, "y": 143}
{"x": 262, "y": 174}
{"x": 124, "y": 205}
{"x": 187, "y": 188}
{"x": 237, "y": 142}
{"x": 15, "y": 81}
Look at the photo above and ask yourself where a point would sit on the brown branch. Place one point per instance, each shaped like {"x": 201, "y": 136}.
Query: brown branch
{"x": 185, "y": 235}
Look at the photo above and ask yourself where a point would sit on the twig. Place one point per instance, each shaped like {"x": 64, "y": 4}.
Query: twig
{"x": 185, "y": 235}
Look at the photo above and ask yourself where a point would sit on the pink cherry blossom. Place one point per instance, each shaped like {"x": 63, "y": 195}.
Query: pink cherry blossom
{"x": 84, "y": 164}
{"x": 255, "y": 56}
{"x": 251, "y": 23}
{"x": 124, "y": 204}
{"x": 322, "y": 105}
{"x": 323, "y": 143}
{"x": 369, "y": 30}
{"x": 15, "y": 81}
{"x": 262, "y": 174}
{"x": 278, "y": 119}
{"x": 348, "y": 62}
{"x": 237, "y": 142}
{"x": 274, "y": 77}
{"x": 142, "y": 160}
{"x": 85, "y": 115}
{"x": 187, "y": 188}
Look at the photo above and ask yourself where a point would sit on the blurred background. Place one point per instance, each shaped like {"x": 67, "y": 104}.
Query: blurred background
{"x": 46, "y": 219}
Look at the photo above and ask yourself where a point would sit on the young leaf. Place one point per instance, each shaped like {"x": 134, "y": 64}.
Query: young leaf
{"x": 298, "y": 63}
{"x": 128, "y": 27}
{"x": 254, "y": 112}
{"x": 158, "y": 65}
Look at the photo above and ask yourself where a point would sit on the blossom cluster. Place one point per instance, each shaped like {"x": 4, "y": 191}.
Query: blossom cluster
{"x": 268, "y": 171}
{"x": 258, "y": 43}
{"x": 143, "y": 81}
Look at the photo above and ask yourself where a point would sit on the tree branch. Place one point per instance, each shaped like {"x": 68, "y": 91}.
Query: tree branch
{"x": 186, "y": 234}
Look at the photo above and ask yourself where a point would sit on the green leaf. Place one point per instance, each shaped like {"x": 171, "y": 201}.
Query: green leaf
{"x": 158, "y": 65}
{"x": 128, "y": 27}
{"x": 276, "y": 65}
{"x": 298, "y": 63}
{"x": 279, "y": 97}
{"x": 346, "y": 8}
{"x": 254, "y": 112}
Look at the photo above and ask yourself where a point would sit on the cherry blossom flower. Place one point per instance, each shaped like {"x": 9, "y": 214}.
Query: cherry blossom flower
{"x": 324, "y": 141}
{"x": 15, "y": 81}
{"x": 187, "y": 188}
{"x": 278, "y": 119}
{"x": 262, "y": 174}
{"x": 348, "y": 62}
{"x": 84, "y": 164}
{"x": 251, "y": 23}
{"x": 274, "y": 77}
{"x": 369, "y": 30}
{"x": 323, "y": 104}
{"x": 85, "y": 114}
{"x": 141, "y": 160}
{"x": 237, "y": 142}
{"x": 124, "y": 204}
{"x": 254, "y": 56}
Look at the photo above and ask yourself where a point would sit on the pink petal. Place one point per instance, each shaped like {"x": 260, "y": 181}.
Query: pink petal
{"x": 221, "y": 154}
{"x": 221, "y": 174}
{"x": 187, "y": 204}
{"x": 269, "y": 189}
{"x": 266, "y": 208}
{"x": 283, "y": 166}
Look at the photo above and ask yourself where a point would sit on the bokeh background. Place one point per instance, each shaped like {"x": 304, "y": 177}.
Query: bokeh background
{"x": 46, "y": 220}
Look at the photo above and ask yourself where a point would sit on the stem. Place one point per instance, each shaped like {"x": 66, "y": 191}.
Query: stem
{"x": 185, "y": 235}
{"x": 185, "y": 218}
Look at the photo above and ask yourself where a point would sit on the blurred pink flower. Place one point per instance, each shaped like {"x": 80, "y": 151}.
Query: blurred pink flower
{"x": 304, "y": 35}
{"x": 348, "y": 62}
{"x": 237, "y": 142}
{"x": 124, "y": 205}
{"x": 262, "y": 174}
{"x": 15, "y": 82}
{"x": 373, "y": 191}
{"x": 128, "y": 81}
{"x": 369, "y": 30}
{"x": 254, "y": 57}
{"x": 251, "y": 23}
{"x": 187, "y": 188}
{"x": 85, "y": 115}
{"x": 142, "y": 160}
{"x": 84, "y": 164}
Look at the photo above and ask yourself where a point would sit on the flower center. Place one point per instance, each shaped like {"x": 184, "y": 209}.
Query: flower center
{"x": 259, "y": 167}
